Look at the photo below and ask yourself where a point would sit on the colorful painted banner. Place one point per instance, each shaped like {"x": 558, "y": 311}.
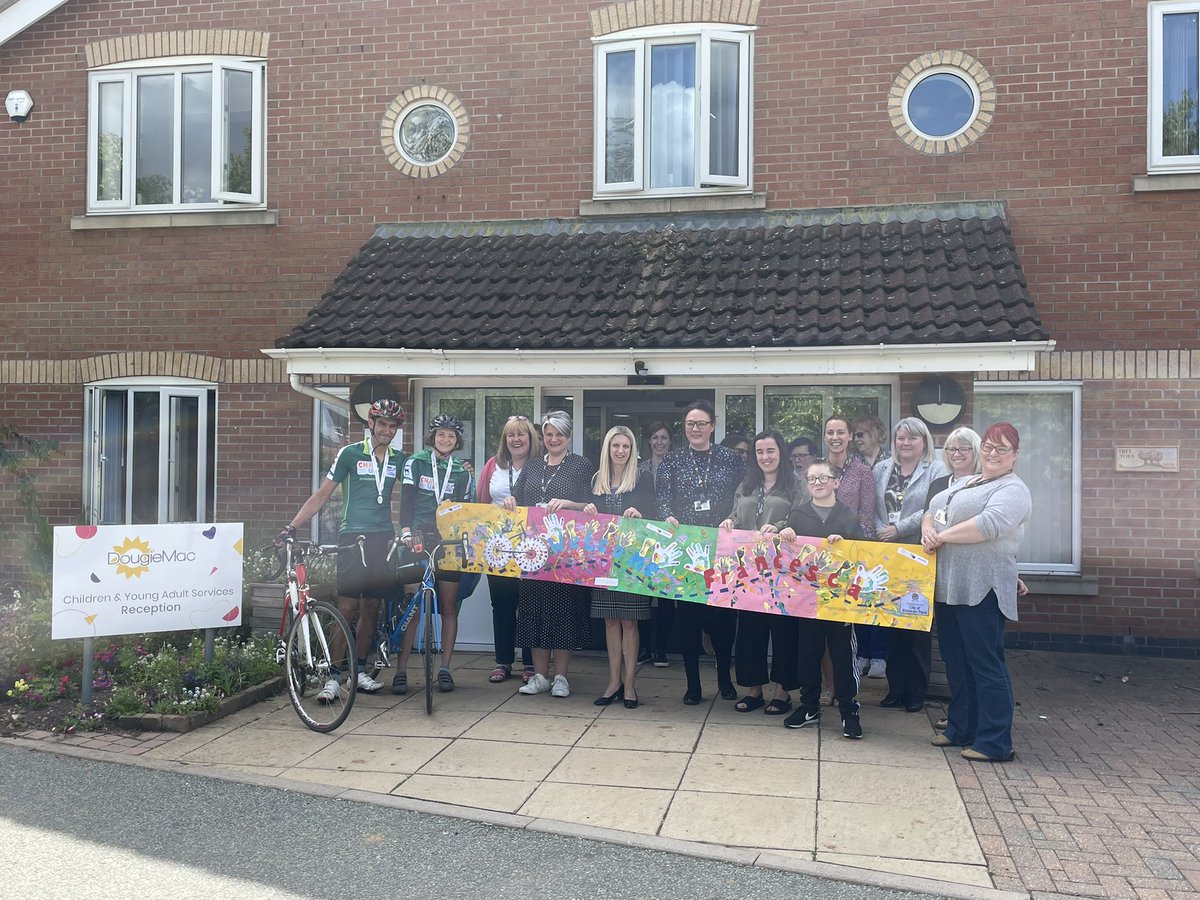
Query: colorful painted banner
{"x": 848, "y": 581}
{"x": 130, "y": 579}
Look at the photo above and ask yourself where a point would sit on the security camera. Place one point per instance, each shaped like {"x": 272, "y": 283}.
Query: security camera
{"x": 19, "y": 104}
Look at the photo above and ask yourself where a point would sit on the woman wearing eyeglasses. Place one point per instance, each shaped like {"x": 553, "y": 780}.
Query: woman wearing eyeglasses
{"x": 976, "y": 529}
{"x": 553, "y": 617}
{"x": 901, "y": 485}
{"x": 869, "y": 439}
{"x": 618, "y": 489}
{"x": 960, "y": 454}
{"x": 656, "y": 629}
{"x": 518, "y": 442}
{"x": 763, "y": 502}
{"x": 696, "y": 485}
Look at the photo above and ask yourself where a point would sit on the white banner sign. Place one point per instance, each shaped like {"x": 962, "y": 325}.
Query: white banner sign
{"x": 131, "y": 579}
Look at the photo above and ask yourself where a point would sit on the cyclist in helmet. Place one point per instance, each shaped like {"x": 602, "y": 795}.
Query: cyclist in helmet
{"x": 432, "y": 475}
{"x": 367, "y": 472}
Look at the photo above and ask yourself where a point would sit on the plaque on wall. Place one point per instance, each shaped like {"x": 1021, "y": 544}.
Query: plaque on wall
{"x": 1147, "y": 459}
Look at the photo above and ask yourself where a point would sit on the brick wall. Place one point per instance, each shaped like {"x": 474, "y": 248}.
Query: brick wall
{"x": 1109, "y": 270}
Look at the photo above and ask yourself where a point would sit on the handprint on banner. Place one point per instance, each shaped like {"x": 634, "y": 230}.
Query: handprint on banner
{"x": 553, "y": 524}
{"x": 666, "y": 556}
{"x": 871, "y": 580}
{"x": 699, "y": 558}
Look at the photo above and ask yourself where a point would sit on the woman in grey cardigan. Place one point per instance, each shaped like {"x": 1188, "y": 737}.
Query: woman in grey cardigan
{"x": 976, "y": 528}
{"x": 901, "y": 487}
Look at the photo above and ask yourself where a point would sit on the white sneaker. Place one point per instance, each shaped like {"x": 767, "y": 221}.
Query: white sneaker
{"x": 861, "y": 665}
{"x": 561, "y": 687}
{"x": 367, "y": 683}
{"x": 330, "y": 692}
{"x": 878, "y": 669}
{"x": 538, "y": 684}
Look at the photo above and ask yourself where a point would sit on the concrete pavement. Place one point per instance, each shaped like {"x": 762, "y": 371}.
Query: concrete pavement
{"x": 1087, "y": 809}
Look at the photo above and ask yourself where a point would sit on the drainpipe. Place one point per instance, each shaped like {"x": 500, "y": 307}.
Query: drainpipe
{"x": 317, "y": 394}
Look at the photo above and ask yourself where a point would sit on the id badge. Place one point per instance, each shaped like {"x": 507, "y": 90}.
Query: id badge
{"x": 701, "y": 506}
{"x": 940, "y": 516}
{"x": 894, "y": 518}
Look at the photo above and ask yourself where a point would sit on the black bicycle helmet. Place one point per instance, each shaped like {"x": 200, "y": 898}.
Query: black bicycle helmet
{"x": 452, "y": 422}
{"x": 386, "y": 409}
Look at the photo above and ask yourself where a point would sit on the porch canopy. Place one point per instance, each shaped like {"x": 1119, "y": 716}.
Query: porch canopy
{"x": 808, "y": 292}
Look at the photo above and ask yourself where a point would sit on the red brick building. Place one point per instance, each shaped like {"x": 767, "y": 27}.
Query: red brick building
{"x": 192, "y": 178}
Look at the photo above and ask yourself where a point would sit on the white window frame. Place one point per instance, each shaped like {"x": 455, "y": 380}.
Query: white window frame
{"x": 638, "y": 41}
{"x": 1075, "y": 389}
{"x": 1156, "y": 162}
{"x": 167, "y": 388}
{"x": 126, "y": 75}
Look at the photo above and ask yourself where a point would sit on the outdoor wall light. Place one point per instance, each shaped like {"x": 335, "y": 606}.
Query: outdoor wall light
{"x": 639, "y": 367}
{"x": 19, "y": 104}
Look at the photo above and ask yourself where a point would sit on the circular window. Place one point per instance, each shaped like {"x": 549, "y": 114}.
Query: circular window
{"x": 942, "y": 102}
{"x": 424, "y": 131}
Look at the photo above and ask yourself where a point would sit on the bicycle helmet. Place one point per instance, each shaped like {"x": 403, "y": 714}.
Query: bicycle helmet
{"x": 454, "y": 423}
{"x": 386, "y": 409}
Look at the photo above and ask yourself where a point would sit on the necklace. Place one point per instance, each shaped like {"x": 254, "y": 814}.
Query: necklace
{"x": 545, "y": 481}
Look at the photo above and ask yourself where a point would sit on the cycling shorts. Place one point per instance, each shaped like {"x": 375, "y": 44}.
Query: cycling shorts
{"x": 373, "y": 580}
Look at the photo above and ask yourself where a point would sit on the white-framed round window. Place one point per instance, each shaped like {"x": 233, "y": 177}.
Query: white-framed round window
{"x": 942, "y": 102}
{"x": 424, "y": 131}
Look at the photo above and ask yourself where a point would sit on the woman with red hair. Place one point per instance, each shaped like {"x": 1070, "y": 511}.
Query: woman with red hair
{"x": 976, "y": 526}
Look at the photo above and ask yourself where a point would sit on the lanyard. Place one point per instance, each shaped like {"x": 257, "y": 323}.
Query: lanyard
{"x": 439, "y": 490}
{"x": 378, "y": 472}
{"x": 707, "y": 470}
{"x": 546, "y": 481}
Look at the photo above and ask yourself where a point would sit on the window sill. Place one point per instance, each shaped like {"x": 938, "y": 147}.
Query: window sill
{"x": 1167, "y": 181}
{"x": 1063, "y": 585}
{"x": 637, "y": 206}
{"x": 175, "y": 219}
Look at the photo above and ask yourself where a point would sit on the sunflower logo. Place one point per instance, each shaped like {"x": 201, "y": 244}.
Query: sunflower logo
{"x": 132, "y": 549}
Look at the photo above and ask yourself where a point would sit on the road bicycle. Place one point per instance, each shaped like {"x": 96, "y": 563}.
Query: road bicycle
{"x": 316, "y": 646}
{"x": 395, "y": 616}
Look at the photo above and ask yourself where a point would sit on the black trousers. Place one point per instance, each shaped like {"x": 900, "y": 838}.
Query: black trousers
{"x": 653, "y": 632}
{"x": 754, "y": 631}
{"x": 504, "y": 620}
{"x": 909, "y": 657}
{"x": 815, "y": 636}
{"x": 720, "y": 623}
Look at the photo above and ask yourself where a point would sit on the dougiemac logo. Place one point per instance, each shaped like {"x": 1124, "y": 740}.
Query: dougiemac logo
{"x": 133, "y": 557}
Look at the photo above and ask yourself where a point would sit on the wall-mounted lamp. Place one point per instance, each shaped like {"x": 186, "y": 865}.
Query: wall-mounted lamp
{"x": 639, "y": 367}
{"x": 19, "y": 104}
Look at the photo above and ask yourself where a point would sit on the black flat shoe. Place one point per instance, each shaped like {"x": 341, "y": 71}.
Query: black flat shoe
{"x": 890, "y": 702}
{"x": 615, "y": 695}
{"x": 631, "y": 704}
{"x": 727, "y": 691}
{"x": 692, "y": 698}
{"x": 914, "y": 707}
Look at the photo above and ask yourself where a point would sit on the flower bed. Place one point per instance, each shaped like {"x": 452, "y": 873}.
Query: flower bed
{"x": 159, "y": 674}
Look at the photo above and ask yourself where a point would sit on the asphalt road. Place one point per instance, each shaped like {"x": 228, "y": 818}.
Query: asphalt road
{"x": 74, "y": 828}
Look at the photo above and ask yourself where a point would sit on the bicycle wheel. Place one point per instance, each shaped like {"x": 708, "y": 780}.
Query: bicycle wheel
{"x": 428, "y": 599}
{"x": 289, "y": 619}
{"x": 322, "y": 671}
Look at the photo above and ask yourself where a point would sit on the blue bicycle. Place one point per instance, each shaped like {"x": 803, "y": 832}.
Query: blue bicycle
{"x": 396, "y": 615}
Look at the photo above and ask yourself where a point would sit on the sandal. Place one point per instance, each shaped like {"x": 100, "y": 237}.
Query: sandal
{"x": 445, "y": 680}
{"x": 749, "y": 703}
{"x": 400, "y": 683}
{"x": 499, "y": 674}
{"x": 777, "y": 707}
{"x": 527, "y": 673}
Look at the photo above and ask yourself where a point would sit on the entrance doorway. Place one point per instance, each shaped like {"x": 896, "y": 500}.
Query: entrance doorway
{"x": 637, "y": 409}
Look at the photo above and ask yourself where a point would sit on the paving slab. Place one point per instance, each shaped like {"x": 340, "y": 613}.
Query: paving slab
{"x": 742, "y": 820}
{"x": 638, "y": 810}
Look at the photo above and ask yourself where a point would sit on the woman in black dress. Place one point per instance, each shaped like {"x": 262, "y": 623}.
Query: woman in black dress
{"x": 550, "y": 616}
{"x": 620, "y": 490}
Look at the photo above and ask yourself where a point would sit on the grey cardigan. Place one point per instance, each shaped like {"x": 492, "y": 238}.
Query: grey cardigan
{"x": 966, "y": 572}
{"x": 913, "y": 506}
